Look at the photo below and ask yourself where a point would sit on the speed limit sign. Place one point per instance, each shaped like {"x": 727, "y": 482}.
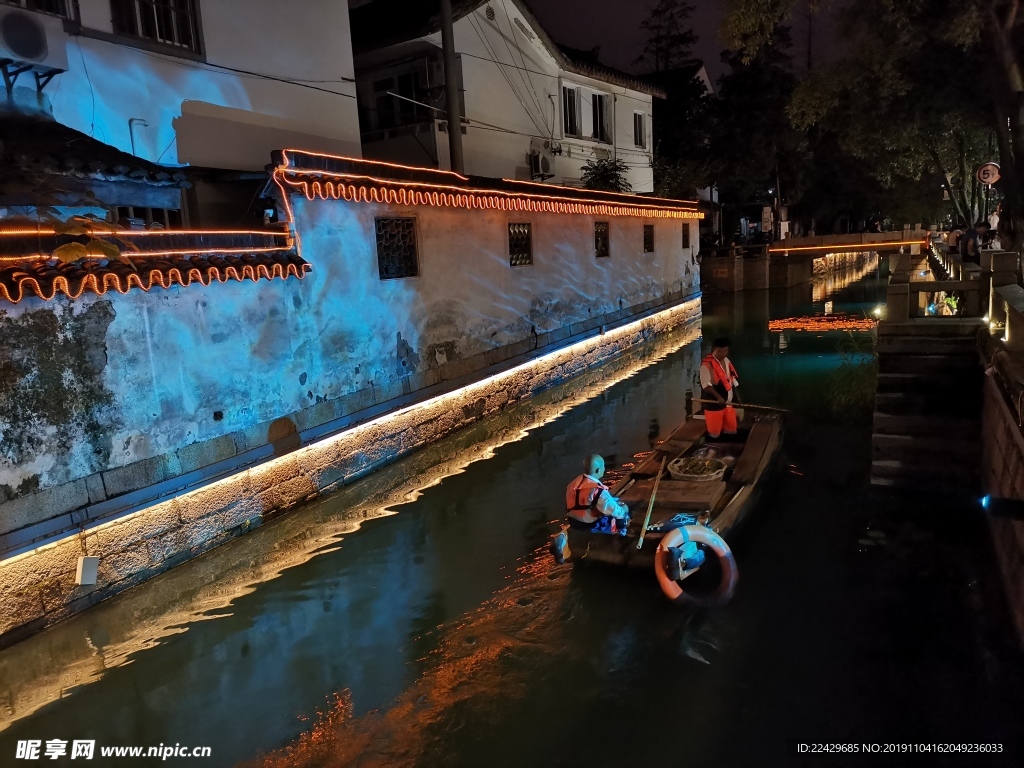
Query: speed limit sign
{"x": 988, "y": 173}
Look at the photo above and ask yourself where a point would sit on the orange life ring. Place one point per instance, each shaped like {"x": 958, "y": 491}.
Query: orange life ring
{"x": 702, "y": 535}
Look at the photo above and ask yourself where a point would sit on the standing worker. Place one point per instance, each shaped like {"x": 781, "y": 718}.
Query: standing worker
{"x": 718, "y": 381}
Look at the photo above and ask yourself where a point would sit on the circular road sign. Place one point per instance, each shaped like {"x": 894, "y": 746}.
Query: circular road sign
{"x": 988, "y": 173}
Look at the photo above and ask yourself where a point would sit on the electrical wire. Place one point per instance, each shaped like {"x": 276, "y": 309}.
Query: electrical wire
{"x": 526, "y": 81}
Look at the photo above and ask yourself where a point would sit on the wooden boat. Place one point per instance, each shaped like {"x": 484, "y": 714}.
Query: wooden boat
{"x": 704, "y": 511}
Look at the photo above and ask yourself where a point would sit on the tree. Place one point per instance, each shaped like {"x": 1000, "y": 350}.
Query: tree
{"x": 670, "y": 37}
{"x": 922, "y": 89}
{"x": 606, "y": 175}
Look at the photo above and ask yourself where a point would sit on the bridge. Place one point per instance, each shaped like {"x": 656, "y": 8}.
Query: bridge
{"x": 793, "y": 261}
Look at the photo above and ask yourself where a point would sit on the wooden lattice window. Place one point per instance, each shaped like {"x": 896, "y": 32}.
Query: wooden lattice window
{"x": 648, "y": 238}
{"x": 396, "y": 248}
{"x": 686, "y": 234}
{"x": 602, "y": 248}
{"x": 520, "y": 244}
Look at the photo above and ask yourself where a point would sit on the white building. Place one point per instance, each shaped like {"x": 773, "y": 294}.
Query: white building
{"x": 207, "y": 83}
{"x": 530, "y": 109}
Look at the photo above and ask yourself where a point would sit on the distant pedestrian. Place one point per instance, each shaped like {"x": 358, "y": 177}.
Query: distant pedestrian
{"x": 972, "y": 241}
{"x": 953, "y": 238}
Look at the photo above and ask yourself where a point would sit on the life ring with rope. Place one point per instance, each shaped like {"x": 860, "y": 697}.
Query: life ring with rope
{"x": 701, "y": 535}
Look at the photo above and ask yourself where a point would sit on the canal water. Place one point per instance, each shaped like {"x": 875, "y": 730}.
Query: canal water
{"x": 414, "y": 619}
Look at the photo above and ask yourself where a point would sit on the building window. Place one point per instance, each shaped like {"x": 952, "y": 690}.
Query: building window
{"x": 394, "y": 100}
{"x": 520, "y": 245}
{"x": 640, "y": 130}
{"x": 396, "y": 248}
{"x": 171, "y": 22}
{"x": 601, "y": 246}
{"x": 571, "y": 111}
{"x": 601, "y": 117}
{"x": 63, "y": 8}
{"x": 648, "y": 238}
{"x": 686, "y": 234}
{"x": 133, "y": 217}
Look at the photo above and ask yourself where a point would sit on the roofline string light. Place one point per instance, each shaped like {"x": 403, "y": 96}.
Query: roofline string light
{"x": 360, "y": 187}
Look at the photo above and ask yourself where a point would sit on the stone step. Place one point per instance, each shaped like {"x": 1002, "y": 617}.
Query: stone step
{"x": 953, "y": 381}
{"x": 913, "y": 425}
{"x": 927, "y": 364}
{"x": 942, "y": 490}
{"x": 941, "y": 404}
{"x": 908, "y": 448}
{"x": 945, "y": 473}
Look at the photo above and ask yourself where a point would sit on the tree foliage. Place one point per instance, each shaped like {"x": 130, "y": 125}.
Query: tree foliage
{"x": 919, "y": 94}
{"x": 670, "y": 37}
{"x": 606, "y": 175}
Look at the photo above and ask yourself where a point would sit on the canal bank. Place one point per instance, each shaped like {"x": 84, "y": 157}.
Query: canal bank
{"x": 443, "y": 635}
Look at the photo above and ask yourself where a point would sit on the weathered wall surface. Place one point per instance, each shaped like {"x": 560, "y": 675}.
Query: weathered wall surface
{"x": 1003, "y": 477}
{"x": 106, "y": 397}
{"x": 37, "y": 587}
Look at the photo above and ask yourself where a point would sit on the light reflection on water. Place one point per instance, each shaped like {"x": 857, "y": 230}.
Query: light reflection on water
{"x": 444, "y": 636}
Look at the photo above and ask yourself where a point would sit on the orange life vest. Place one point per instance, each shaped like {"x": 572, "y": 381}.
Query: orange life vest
{"x": 718, "y": 374}
{"x": 581, "y": 498}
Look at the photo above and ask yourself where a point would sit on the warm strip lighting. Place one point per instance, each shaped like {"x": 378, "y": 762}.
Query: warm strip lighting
{"x": 204, "y": 252}
{"x": 456, "y": 197}
{"x": 419, "y": 169}
{"x": 822, "y": 324}
{"x": 852, "y": 246}
{"x": 354, "y": 187}
{"x": 101, "y": 283}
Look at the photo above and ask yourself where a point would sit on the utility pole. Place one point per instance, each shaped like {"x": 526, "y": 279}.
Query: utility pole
{"x": 451, "y": 85}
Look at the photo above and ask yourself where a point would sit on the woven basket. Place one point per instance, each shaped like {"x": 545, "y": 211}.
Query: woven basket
{"x": 678, "y": 470}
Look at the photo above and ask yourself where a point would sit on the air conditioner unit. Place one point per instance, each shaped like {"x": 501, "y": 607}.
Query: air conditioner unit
{"x": 542, "y": 159}
{"x": 32, "y": 42}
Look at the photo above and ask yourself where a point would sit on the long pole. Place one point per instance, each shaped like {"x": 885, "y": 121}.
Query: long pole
{"x": 451, "y": 85}
{"x": 650, "y": 504}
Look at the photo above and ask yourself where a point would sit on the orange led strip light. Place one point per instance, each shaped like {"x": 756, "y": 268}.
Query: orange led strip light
{"x": 149, "y": 254}
{"x": 851, "y": 246}
{"x": 100, "y": 284}
{"x": 456, "y": 197}
{"x": 377, "y": 190}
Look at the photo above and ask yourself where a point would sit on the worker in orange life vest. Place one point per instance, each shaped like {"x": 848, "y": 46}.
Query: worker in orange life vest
{"x": 587, "y": 499}
{"x": 718, "y": 380}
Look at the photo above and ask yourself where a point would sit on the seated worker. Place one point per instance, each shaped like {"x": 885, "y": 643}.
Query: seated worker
{"x": 718, "y": 380}
{"x": 587, "y": 499}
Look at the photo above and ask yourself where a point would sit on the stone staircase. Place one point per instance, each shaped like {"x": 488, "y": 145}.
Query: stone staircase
{"x": 926, "y": 432}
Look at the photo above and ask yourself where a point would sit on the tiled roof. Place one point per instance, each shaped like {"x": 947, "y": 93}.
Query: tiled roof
{"x": 151, "y": 259}
{"x": 32, "y": 146}
{"x": 353, "y": 179}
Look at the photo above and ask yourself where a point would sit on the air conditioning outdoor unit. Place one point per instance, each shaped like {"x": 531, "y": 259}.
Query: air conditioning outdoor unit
{"x": 542, "y": 159}
{"x": 31, "y": 42}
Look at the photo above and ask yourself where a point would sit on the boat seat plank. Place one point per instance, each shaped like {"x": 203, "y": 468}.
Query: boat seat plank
{"x": 691, "y": 431}
{"x": 675, "y": 495}
{"x": 746, "y": 466}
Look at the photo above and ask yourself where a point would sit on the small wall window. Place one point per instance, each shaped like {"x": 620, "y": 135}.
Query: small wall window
{"x": 602, "y": 248}
{"x": 601, "y": 117}
{"x": 648, "y": 238}
{"x": 571, "y": 111}
{"x": 520, "y": 245}
{"x": 171, "y": 22}
{"x": 686, "y": 234}
{"x": 640, "y": 130}
{"x": 396, "y": 248}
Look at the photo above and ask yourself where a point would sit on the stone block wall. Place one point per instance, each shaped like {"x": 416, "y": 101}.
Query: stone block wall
{"x": 37, "y": 586}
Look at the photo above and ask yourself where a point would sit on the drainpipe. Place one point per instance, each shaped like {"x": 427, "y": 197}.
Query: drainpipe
{"x": 451, "y": 86}
{"x": 131, "y": 130}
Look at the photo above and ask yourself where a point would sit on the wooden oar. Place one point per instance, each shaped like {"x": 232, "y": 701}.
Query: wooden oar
{"x": 650, "y": 504}
{"x": 744, "y": 405}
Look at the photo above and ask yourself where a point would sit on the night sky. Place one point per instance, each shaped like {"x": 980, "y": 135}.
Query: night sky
{"x": 615, "y": 26}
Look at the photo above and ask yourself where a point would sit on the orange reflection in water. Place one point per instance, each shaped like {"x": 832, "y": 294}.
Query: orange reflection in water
{"x": 823, "y": 323}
